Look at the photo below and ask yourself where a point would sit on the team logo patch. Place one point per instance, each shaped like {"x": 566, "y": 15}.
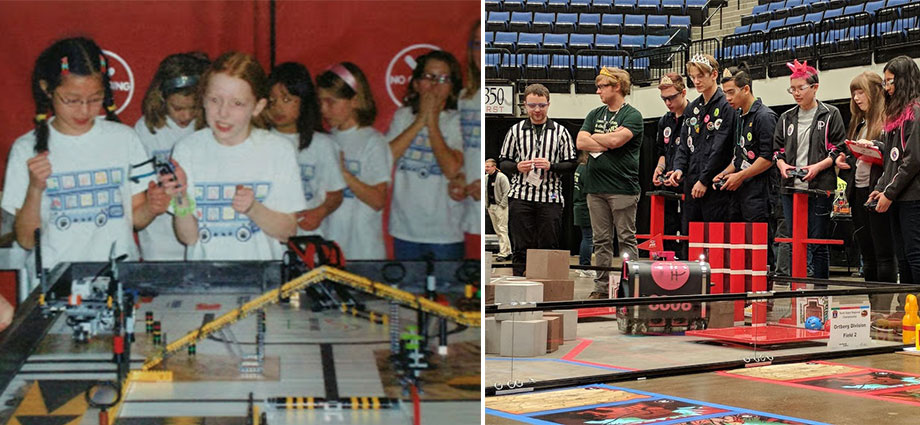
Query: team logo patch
{"x": 895, "y": 154}
{"x": 820, "y": 125}
{"x": 677, "y": 141}
{"x": 666, "y": 140}
{"x": 750, "y": 154}
{"x": 696, "y": 110}
{"x": 716, "y": 112}
{"x": 718, "y": 123}
{"x": 710, "y": 126}
{"x": 789, "y": 130}
{"x": 693, "y": 121}
{"x": 706, "y": 119}
{"x": 751, "y": 124}
{"x": 690, "y": 144}
{"x": 750, "y": 136}
{"x": 666, "y": 132}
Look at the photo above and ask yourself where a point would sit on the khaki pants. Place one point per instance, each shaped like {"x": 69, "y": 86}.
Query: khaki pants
{"x": 499, "y": 217}
{"x": 609, "y": 211}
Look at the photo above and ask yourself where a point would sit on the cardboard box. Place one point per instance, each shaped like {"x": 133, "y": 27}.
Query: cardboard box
{"x": 490, "y": 294}
{"x": 523, "y": 338}
{"x": 519, "y": 291}
{"x": 553, "y": 333}
{"x": 547, "y": 264}
{"x": 557, "y": 290}
{"x": 569, "y": 323}
{"x": 493, "y": 335}
{"x": 488, "y": 256}
{"x": 721, "y": 314}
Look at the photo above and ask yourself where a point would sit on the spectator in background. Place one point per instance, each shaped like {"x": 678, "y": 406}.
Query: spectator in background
{"x": 536, "y": 152}
{"x": 497, "y": 199}
{"x": 582, "y": 218}
{"x": 6, "y": 314}
{"x": 612, "y": 134}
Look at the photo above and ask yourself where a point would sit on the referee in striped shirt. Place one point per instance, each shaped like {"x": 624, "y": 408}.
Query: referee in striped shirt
{"x": 535, "y": 153}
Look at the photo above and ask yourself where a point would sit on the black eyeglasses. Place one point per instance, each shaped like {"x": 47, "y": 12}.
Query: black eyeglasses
{"x": 670, "y": 98}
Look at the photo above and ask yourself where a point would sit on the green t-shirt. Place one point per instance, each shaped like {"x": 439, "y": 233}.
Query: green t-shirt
{"x": 616, "y": 170}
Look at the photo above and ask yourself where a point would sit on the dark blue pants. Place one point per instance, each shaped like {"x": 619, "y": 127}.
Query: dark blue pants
{"x": 586, "y": 247}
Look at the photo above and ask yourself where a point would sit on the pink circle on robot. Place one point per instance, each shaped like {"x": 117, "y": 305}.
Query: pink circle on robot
{"x": 670, "y": 275}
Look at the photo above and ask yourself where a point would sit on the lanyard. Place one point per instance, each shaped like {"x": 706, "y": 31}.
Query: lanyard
{"x": 538, "y": 136}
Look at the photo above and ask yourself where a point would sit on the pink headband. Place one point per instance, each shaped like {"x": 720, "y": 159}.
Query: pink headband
{"x": 345, "y": 75}
{"x": 801, "y": 70}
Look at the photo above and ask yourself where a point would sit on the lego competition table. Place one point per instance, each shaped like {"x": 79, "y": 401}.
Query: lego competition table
{"x": 227, "y": 343}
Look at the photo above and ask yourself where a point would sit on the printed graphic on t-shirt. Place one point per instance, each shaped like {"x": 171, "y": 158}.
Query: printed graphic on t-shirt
{"x": 419, "y": 158}
{"x": 86, "y": 196}
{"x": 307, "y": 172}
{"x": 216, "y": 216}
{"x": 470, "y": 125}
{"x": 353, "y": 167}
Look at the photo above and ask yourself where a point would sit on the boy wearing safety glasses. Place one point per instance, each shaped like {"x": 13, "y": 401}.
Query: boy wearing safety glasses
{"x": 806, "y": 140}
{"x": 612, "y": 135}
{"x": 536, "y": 153}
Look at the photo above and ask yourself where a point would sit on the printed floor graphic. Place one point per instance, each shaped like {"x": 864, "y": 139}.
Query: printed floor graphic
{"x": 609, "y": 405}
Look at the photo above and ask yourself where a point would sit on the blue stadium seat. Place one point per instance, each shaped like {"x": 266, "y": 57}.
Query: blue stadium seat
{"x": 656, "y": 22}
{"x": 872, "y": 6}
{"x": 579, "y": 6}
{"x": 649, "y": 7}
{"x": 536, "y": 66}
{"x": 776, "y": 23}
{"x": 581, "y": 41}
{"x": 833, "y": 13}
{"x": 698, "y": 10}
{"x": 607, "y": 41}
{"x": 492, "y": 61}
{"x": 611, "y": 23}
{"x": 672, "y": 7}
{"x": 656, "y": 40}
{"x": 896, "y": 3}
{"x": 814, "y": 17}
{"x": 678, "y": 21}
{"x": 624, "y": 6}
{"x": 793, "y": 3}
{"x": 602, "y": 6}
{"x": 760, "y": 8}
{"x": 639, "y": 63}
{"x": 505, "y": 40}
{"x": 566, "y": 22}
{"x": 586, "y": 67}
{"x": 510, "y": 66}
{"x": 488, "y": 38}
{"x": 513, "y": 5}
{"x": 529, "y": 40}
{"x": 819, "y": 6}
{"x": 493, "y": 5}
{"x": 556, "y": 41}
{"x": 613, "y": 61}
{"x": 759, "y": 26}
{"x": 497, "y": 21}
{"x": 741, "y": 29}
{"x": 560, "y": 67}
{"x": 543, "y": 22}
{"x": 633, "y": 42}
{"x": 799, "y": 10}
{"x": 856, "y": 8}
{"x": 776, "y": 5}
{"x": 520, "y": 21}
{"x": 589, "y": 23}
{"x": 792, "y": 20}
{"x": 634, "y": 24}
{"x": 535, "y": 5}
{"x": 557, "y": 5}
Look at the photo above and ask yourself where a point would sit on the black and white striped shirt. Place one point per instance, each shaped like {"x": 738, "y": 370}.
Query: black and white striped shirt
{"x": 522, "y": 143}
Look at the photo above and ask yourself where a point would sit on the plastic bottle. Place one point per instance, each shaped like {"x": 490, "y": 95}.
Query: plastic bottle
{"x": 910, "y": 320}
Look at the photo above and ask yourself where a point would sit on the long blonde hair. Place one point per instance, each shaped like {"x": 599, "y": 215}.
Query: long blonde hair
{"x": 871, "y": 85}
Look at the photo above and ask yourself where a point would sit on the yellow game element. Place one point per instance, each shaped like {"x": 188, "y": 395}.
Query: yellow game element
{"x": 151, "y": 375}
{"x": 317, "y": 275}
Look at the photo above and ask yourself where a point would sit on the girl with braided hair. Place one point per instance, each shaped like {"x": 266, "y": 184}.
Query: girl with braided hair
{"x": 70, "y": 175}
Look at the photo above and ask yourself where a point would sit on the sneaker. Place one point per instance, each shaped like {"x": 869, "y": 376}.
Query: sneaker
{"x": 590, "y": 273}
{"x": 597, "y": 296}
{"x": 503, "y": 259}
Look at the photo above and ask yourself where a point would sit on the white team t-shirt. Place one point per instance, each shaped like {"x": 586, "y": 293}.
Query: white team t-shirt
{"x": 158, "y": 240}
{"x": 470, "y": 120}
{"x": 355, "y": 226}
{"x": 86, "y": 205}
{"x": 421, "y": 210}
{"x": 319, "y": 172}
{"x": 263, "y": 162}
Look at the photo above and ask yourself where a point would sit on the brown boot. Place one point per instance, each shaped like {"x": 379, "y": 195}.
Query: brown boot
{"x": 598, "y": 296}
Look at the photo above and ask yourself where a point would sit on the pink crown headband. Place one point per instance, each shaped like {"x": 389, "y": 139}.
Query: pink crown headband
{"x": 801, "y": 69}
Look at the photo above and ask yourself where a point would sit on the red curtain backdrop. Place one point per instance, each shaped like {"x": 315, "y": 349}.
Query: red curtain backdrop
{"x": 372, "y": 34}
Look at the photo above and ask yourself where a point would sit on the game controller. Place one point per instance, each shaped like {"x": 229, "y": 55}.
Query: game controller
{"x": 871, "y": 204}
{"x": 661, "y": 179}
{"x": 798, "y": 172}
{"x": 718, "y": 184}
